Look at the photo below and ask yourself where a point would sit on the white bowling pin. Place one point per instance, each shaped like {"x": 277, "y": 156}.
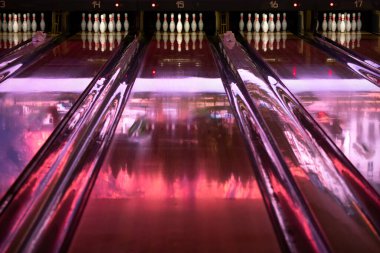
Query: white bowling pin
{"x": 103, "y": 24}
{"x": 200, "y": 23}
{"x": 42, "y": 23}
{"x": 284, "y": 23}
{"x": 126, "y": 22}
{"x": 15, "y": 24}
{"x": 5, "y": 23}
{"x": 113, "y": 21}
{"x": 24, "y": 24}
{"x": 10, "y": 23}
{"x": 271, "y": 23}
{"x": 329, "y": 22}
{"x": 342, "y": 27}
{"x": 28, "y": 21}
{"x": 264, "y": 24}
{"x": 348, "y": 23}
{"x": 165, "y": 23}
{"x": 333, "y": 23}
{"x": 194, "y": 24}
{"x": 186, "y": 25}
{"x": 339, "y": 21}
{"x": 257, "y": 23}
{"x": 359, "y": 23}
{"x": 34, "y": 23}
{"x": 110, "y": 24}
{"x": 241, "y": 22}
{"x": 179, "y": 24}
{"x": 118, "y": 23}
{"x": 353, "y": 23}
{"x": 324, "y": 23}
{"x": 89, "y": 23}
{"x": 19, "y": 22}
{"x": 278, "y": 23}
{"x": 249, "y": 23}
{"x": 96, "y": 23}
{"x": 158, "y": 23}
{"x": 83, "y": 25}
{"x": 172, "y": 24}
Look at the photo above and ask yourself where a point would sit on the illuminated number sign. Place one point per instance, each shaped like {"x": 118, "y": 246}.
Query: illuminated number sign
{"x": 358, "y": 3}
{"x": 180, "y": 4}
{"x": 2, "y": 4}
{"x": 96, "y": 4}
{"x": 273, "y": 4}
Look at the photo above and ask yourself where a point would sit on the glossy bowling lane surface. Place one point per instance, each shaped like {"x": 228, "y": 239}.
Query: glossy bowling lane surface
{"x": 11, "y": 40}
{"x": 177, "y": 177}
{"x": 366, "y": 44}
{"x": 33, "y": 102}
{"x": 344, "y": 104}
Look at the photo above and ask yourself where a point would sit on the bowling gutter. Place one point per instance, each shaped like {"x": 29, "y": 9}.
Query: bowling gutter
{"x": 329, "y": 183}
{"x": 47, "y": 199}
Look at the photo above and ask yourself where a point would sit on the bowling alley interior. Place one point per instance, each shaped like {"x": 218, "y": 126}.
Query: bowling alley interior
{"x": 192, "y": 126}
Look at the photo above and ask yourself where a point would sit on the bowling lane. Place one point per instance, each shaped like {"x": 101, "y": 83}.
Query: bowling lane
{"x": 344, "y": 104}
{"x": 33, "y": 103}
{"x": 177, "y": 177}
{"x": 366, "y": 44}
{"x": 10, "y": 40}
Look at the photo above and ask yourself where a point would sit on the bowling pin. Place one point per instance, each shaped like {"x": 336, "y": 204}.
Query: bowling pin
{"x": 24, "y": 24}
{"x": 187, "y": 23}
{"x": 172, "y": 24}
{"x": 324, "y": 23}
{"x": 28, "y": 22}
{"x": 34, "y": 23}
{"x": 339, "y": 21}
{"x": 257, "y": 23}
{"x": 158, "y": 23}
{"x": 271, "y": 22}
{"x": 110, "y": 24}
{"x": 342, "y": 27}
{"x": 329, "y": 22}
{"x": 353, "y": 24}
{"x": 42, "y": 23}
{"x": 359, "y": 23}
{"x": 15, "y": 24}
{"x": 348, "y": 23}
{"x": 241, "y": 22}
{"x": 96, "y": 23}
{"x": 264, "y": 24}
{"x": 89, "y": 23}
{"x": 10, "y": 23}
{"x": 118, "y": 23}
{"x": 5, "y": 23}
{"x": 126, "y": 22}
{"x": 83, "y": 24}
{"x": 249, "y": 23}
{"x": 278, "y": 23}
{"x": 284, "y": 23}
{"x": 113, "y": 21}
{"x": 19, "y": 22}
{"x": 103, "y": 24}
{"x": 200, "y": 23}
{"x": 194, "y": 24}
{"x": 333, "y": 23}
{"x": 165, "y": 23}
{"x": 179, "y": 24}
